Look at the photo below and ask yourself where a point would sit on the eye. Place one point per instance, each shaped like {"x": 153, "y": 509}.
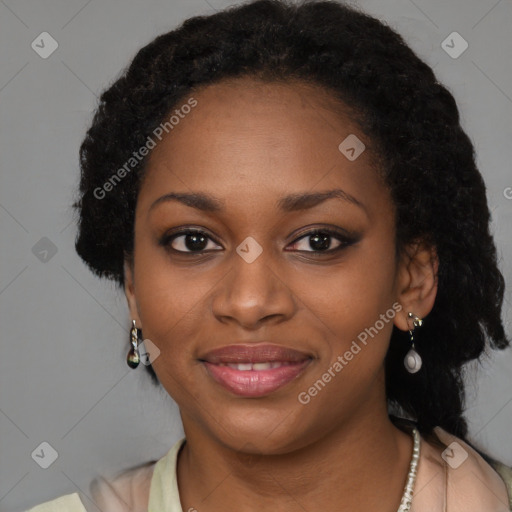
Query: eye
{"x": 196, "y": 241}
{"x": 321, "y": 240}
{"x": 187, "y": 241}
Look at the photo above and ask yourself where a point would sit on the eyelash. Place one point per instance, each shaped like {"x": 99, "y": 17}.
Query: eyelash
{"x": 345, "y": 241}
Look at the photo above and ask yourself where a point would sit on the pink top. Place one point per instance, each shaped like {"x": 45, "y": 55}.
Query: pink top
{"x": 451, "y": 477}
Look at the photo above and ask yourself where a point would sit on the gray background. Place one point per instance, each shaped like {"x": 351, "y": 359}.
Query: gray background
{"x": 64, "y": 333}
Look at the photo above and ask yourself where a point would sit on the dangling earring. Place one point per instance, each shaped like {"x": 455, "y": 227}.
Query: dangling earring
{"x": 133, "y": 358}
{"x": 412, "y": 360}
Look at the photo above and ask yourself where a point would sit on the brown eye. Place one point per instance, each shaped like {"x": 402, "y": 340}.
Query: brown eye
{"x": 321, "y": 240}
{"x": 188, "y": 241}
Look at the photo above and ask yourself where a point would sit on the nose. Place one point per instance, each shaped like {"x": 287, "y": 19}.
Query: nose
{"x": 251, "y": 294}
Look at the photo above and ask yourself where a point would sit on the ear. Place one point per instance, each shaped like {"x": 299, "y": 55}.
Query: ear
{"x": 129, "y": 291}
{"x": 416, "y": 282}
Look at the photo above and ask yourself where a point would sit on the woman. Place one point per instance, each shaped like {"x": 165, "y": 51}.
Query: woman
{"x": 288, "y": 200}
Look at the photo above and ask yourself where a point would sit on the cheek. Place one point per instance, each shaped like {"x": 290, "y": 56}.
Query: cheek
{"x": 352, "y": 304}
{"x": 170, "y": 302}
{"x": 351, "y": 295}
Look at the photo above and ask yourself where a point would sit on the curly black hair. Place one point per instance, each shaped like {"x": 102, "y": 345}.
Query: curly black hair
{"x": 426, "y": 158}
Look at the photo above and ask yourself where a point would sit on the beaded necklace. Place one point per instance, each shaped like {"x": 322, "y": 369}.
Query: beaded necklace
{"x": 405, "y": 504}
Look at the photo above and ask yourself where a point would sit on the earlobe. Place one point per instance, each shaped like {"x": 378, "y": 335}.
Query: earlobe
{"x": 129, "y": 290}
{"x": 417, "y": 282}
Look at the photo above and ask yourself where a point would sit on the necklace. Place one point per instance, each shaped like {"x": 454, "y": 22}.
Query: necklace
{"x": 405, "y": 504}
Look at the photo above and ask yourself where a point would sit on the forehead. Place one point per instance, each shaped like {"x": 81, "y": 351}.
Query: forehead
{"x": 269, "y": 138}
{"x": 249, "y": 109}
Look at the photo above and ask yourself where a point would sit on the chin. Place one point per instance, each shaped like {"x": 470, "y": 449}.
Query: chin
{"x": 259, "y": 429}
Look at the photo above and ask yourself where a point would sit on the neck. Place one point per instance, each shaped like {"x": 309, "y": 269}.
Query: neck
{"x": 359, "y": 465}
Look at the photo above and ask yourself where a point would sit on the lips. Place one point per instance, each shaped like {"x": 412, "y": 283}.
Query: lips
{"x": 261, "y": 353}
{"x": 254, "y": 370}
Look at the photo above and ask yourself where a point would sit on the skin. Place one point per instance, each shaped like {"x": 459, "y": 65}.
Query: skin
{"x": 249, "y": 144}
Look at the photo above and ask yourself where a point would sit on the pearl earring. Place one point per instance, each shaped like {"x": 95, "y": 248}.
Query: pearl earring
{"x": 133, "y": 357}
{"x": 412, "y": 360}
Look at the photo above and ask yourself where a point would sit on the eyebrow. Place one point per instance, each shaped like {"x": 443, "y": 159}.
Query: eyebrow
{"x": 290, "y": 203}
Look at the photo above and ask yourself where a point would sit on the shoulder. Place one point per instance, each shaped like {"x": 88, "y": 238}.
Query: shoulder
{"x": 151, "y": 486}
{"x": 456, "y": 476}
{"x": 66, "y": 503}
{"x": 505, "y": 473}
{"x": 125, "y": 492}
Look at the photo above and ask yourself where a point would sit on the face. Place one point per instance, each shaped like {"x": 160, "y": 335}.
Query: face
{"x": 269, "y": 258}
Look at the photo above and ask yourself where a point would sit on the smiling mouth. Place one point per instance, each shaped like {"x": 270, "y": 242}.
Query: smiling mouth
{"x": 255, "y": 379}
{"x": 254, "y": 369}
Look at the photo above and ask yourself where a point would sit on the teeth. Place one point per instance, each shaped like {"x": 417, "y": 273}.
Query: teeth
{"x": 242, "y": 366}
{"x": 262, "y": 366}
{"x": 256, "y": 366}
